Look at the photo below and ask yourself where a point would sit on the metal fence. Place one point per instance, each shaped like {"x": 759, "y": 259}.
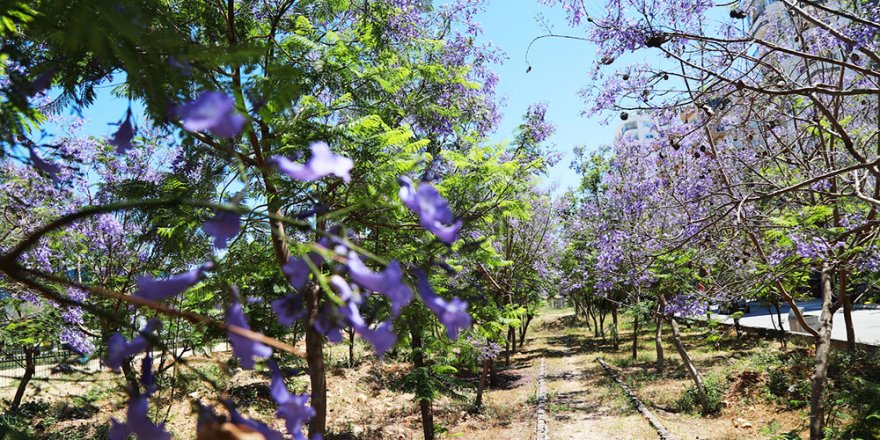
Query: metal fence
{"x": 54, "y": 362}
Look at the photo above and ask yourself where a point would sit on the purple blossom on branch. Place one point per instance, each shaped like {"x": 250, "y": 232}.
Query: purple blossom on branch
{"x": 432, "y": 209}
{"x": 118, "y": 349}
{"x": 297, "y": 271}
{"x": 452, "y": 314}
{"x": 159, "y": 290}
{"x": 137, "y": 420}
{"x": 289, "y": 308}
{"x": 292, "y": 408}
{"x": 389, "y": 282}
{"x": 213, "y": 112}
{"x": 245, "y": 349}
{"x": 322, "y": 163}
{"x": 223, "y": 226}
{"x": 123, "y": 136}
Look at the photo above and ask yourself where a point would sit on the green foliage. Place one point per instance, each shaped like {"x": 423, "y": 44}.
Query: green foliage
{"x": 716, "y": 387}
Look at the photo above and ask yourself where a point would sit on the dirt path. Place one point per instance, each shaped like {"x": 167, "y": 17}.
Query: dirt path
{"x": 581, "y": 403}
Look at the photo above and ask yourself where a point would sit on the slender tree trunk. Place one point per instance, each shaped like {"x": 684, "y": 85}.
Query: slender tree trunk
{"x": 129, "y": 374}
{"x": 315, "y": 361}
{"x": 483, "y": 375}
{"x": 512, "y": 332}
{"x": 601, "y": 327}
{"x": 658, "y": 342}
{"x": 30, "y": 367}
{"x": 350, "y": 348}
{"x": 586, "y": 311}
{"x": 820, "y": 364}
{"x": 419, "y": 362}
{"x": 493, "y": 373}
{"x": 507, "y": 349}
{"x": 846, "y": 301}
{"x": 782, "y": 335}
{"x": 615, "y": 339}
{"x": 635, "y": 348}
{"x": 524, "y": 329}
{"x": 688, "y": 363}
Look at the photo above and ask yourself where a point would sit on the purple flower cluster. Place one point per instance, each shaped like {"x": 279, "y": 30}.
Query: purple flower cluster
{"x": 119, "y": 349}
{"x": 432, "y": 209}
{"x": 137, "y": 421}
{"x": 686, "y": 305}
{"x": 213, "y": 112}
{"x": 322, "y": 163}
{"x": 159, "y": 290}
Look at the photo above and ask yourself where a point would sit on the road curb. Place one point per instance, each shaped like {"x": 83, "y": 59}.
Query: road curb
{"x": 652, "y": 419}
{"x": 541, "y": 411}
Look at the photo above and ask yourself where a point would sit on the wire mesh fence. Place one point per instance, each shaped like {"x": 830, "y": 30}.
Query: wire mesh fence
{"x": 48, "y": 362}
{"x": 55, "y": 362}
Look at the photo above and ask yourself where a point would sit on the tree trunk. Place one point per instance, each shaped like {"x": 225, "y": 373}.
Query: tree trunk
{"x": 635, "y": 348}
{"x": 820, "y": 372}
{"x": 512, "y": 333}
{"x": 493, "y": 373}
{"x": 30, "y": 367}
{"x": 419, "y": 362}
{"x": 614, "y": 334}
{"x": 483, "y": 374}
{"x": 846, "y": 301}
{"x": 524, "y": 329}
{"x": 130, "y": 375}
{"x": 602, "y": 324}
{"x": 688, "y": 363}
{"x": 782, "y": 338}
{"x": 315, "y": 361}
{"x": 586, "y": 311}
{"x": 507, "y": 349}
{"x": 350, "y": 348}
{"x": 658, "y": 342}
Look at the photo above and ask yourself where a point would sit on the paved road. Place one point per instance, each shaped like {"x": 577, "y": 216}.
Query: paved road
{"x": 866, "y": 320}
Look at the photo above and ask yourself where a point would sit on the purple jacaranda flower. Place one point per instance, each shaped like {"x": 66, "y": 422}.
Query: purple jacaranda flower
{"x": 328, "y": 323}
{"x": 245, "y": 349}
{"x": 292, "y": 408}
{"x": 42, "y": 82}
{"x": 118, "y": 349}
{"x": 158, "y": 290}
{"x": 237, "y": 419}
{"x": 297, "y": 271}
{"x": 139, "y": 424}
{"x": 389, "y": 282}
{"x": 123, "y": 136}
{"x": 50, "y": 168}
{"x": 214, "y": 112}
{"x": 452, "y": 314}
{"x": 432, "y": 209}
{"x": 322, "y": 163}
{"x": 289, "y": 308}
{"x": 382, "y": 338}
{"x": 137, "y": 420}
{"x": 343, "y": 289}
{"x": 223, "y": 226}
{"x": 181, "y": 66}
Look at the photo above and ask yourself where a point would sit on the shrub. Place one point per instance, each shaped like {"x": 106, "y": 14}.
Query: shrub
{"x": 716, "y": 386}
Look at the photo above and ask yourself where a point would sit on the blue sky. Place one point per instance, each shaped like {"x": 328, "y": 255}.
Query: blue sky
{"x": 559, "y": 70}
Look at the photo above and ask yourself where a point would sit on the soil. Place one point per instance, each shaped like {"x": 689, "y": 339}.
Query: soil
{"x": 582, "y": 402}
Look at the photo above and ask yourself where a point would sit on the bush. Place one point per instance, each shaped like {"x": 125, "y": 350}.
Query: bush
{"x": 716, "y": 386}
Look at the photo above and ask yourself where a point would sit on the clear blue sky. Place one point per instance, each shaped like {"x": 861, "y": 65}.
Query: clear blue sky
{"x": 559, "y": 69}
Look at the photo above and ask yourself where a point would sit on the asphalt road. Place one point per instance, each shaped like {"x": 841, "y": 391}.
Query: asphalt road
{"x": 866, "y": 320}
